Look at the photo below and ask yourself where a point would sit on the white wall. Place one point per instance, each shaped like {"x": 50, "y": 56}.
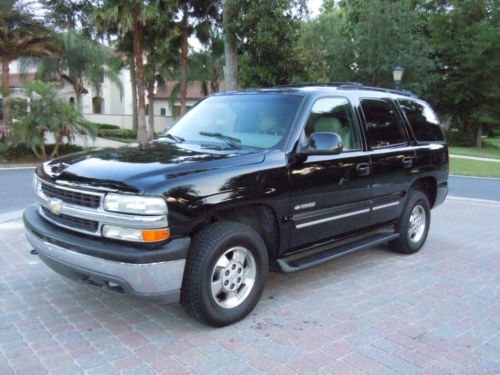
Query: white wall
{"x": 125, "y": 121}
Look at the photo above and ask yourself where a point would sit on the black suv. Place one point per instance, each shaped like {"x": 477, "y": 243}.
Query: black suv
{"x": 275, "y": 179}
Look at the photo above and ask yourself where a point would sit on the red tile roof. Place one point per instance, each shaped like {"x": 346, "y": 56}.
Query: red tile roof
{"x": 18, "y": 79}
{"x": 194, "y": 91}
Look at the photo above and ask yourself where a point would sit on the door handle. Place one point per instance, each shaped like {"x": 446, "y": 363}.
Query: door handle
{"x": 363, "y": 169}
{"x": 407, "y": 162}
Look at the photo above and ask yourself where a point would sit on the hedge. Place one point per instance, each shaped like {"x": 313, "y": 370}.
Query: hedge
{"x": 22, "y": 152}
{"x": 116, "y": 133}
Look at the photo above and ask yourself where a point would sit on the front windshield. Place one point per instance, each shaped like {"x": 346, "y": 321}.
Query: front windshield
{"x": 248, "y": 120}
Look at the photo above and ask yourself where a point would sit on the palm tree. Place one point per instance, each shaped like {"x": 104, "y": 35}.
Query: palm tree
{"x": 230, "y": 12}
{"x": 132, "y": 16}
{"x": 48, "y": 113}
{"x": 203, "y": 12}
{"x": 207, "y": 66}
{"x": 161, "y": 58}
{"x": 20, "y": 35}
{"x": 82, "y": 61}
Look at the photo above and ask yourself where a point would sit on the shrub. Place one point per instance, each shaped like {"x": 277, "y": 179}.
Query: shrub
{"x": 21, "y": 151}
{"x": 116, "y": 133}
{"x": 106, "y": 126}
{"x": 48, "y": 113}
{"x": 458, "y": 138}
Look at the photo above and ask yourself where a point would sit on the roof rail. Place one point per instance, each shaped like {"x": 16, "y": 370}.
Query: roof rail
{"x": 325, "y": 84}
{"x": 348, "y": 85}
{"x": 382, "y": 89}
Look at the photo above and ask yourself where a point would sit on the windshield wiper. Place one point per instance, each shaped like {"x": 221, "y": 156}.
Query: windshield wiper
{"x": 176, "y": 138}
{"x": 231, "y": 141}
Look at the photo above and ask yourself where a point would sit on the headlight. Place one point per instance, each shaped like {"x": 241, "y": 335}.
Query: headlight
{"x": 135, "y": 204}
{"x": 138, "y": 235}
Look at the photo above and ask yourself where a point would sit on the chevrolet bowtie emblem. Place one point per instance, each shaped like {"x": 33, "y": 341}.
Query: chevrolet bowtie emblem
{"x": 55, "y": 206}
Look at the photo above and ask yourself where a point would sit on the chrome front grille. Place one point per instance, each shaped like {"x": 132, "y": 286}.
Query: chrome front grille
{"x": 82, "y": 210}
{"x": 71, "y": 222}
{"x": 72, "y": 196}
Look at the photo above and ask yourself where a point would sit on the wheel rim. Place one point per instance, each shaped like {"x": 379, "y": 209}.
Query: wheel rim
{"x": 233, "y": 277}
{"x": 417, "y": 223}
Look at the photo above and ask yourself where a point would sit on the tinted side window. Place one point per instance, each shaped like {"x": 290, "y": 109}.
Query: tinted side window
{"x": 422, "y": 120}
{"x": 383, "y": 125}
{"x": 334, "y": 115}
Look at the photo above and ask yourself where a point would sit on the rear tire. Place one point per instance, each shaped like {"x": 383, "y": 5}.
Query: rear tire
{"x": 225, "y": 273}
{"x": 413, "y": 225}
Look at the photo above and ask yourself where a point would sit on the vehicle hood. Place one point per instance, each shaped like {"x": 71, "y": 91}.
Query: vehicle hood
{"x": 135, "y": 167}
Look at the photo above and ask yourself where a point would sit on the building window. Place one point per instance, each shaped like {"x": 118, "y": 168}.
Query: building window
{"x": 163, "y": 112}
{"x": 177, "y": 110}
{"x": 97, "y": 104}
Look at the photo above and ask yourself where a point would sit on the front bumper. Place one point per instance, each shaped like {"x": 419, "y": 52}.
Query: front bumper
{"x": 152, "y": 273}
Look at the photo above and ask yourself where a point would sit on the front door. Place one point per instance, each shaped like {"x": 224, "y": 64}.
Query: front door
{"x": 330, "y": 194}
{"x": 392, "y": 158}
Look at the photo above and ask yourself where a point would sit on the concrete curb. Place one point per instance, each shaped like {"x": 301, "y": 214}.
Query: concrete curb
{"x": 476, "y": 177}
{"x": 10, "y": 216}
{"x": 14, "y": 168}
{"x": 474, "y": 158}
{"x": 472, "y": 200}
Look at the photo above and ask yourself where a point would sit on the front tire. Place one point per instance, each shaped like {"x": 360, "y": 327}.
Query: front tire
{"x": 413, "y": 225}
{"x": 225, "y": 273}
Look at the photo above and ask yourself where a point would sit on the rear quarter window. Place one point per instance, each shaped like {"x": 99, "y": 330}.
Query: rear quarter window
{"x": 423, "y": 120}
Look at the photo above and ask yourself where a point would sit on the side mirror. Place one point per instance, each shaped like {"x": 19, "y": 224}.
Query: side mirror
{"x": 323, "y": 143}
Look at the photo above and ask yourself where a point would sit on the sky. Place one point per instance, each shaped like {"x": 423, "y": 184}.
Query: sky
{"x": 314, "y": 6}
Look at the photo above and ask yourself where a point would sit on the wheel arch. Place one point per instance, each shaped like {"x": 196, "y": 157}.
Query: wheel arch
{"x": 261, "y": 217}
{"x": 427, "y": 185}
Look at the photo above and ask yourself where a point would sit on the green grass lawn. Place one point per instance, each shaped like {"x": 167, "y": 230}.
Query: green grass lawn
{"x": 486, "y": 152}
{"x": 492, "y": 142}
{"x": 477, "y": 168}
{"x": 491, "y": 149}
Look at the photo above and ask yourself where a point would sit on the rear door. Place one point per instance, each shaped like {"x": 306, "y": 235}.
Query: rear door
{"x": 392, "y": 158}
{"x": 330, "y": 194}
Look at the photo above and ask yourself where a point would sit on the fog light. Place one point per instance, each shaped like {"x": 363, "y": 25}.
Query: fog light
{"x": 137, "y": 235}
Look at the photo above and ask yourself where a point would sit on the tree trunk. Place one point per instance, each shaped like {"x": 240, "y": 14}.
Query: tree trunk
{"x": 230, "y": 50}
{"x": 55, "y": 151}
{"x": 5, "y": 90}
{"x": 43, "y": 153}
{"x": 133, "y": 82}
{"x": 184, "y": 61}
{"x": 479, "y": 134}
{"x": 142, "y": 134}
{"x": 79, "y": 104}
{"x": 151, "y": 111}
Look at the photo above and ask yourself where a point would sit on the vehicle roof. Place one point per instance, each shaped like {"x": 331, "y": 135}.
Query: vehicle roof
{"x": 339, "y": 88}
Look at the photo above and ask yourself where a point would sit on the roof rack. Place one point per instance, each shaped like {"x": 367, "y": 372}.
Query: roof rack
{"x": 382, "y": 89}
{"x": 323, "y": 84}
{"x": 349, "y": 85}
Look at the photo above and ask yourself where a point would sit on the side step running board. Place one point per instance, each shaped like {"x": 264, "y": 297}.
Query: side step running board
{"x": 301, "y": 261}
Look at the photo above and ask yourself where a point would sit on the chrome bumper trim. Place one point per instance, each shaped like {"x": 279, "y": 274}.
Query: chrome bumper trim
{"x": 147, "y": 279}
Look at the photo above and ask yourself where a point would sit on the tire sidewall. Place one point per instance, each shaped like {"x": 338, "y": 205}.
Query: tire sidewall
{"x": 416, "y": 198}
{"x": 256, "y": 246}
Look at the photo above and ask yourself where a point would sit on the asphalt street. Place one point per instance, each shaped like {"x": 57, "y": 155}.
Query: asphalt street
{"x": 16, "y": 191}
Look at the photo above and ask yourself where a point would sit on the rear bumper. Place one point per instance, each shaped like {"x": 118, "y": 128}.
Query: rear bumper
{"x": 159, "y": 279}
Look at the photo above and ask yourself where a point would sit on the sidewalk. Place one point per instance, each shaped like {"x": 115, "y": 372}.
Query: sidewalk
{"x": 474, "y": 158}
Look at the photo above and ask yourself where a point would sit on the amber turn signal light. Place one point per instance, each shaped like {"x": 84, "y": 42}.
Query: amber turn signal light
{"x": 155, "y": 235}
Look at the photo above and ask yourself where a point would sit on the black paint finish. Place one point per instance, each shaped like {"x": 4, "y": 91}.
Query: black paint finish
{"x": 199, "y": 182}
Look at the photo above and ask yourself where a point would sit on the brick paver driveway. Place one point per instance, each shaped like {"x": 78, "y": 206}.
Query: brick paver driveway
{"x": 435, "y": 312}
